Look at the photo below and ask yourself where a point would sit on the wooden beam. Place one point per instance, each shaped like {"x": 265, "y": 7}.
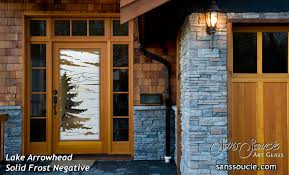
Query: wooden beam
{"x": 130, "y": 9}
{"x": 126, "y": 2}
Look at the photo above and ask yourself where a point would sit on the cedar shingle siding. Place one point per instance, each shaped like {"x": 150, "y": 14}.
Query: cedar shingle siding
{"x": 148, "y": 76}
{"x": 11, "y": 33}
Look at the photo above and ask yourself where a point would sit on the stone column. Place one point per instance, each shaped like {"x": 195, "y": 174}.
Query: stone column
{"x": 203, "y": 94}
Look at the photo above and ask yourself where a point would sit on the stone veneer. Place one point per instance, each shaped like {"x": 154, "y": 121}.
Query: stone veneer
{"x": 203, "y": 96}
{"x": 13, "y": 130}
{"x": 150, "y": 132}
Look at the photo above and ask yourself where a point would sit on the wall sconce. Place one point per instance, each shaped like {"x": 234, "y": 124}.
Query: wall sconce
{"x": 212, "y": 17}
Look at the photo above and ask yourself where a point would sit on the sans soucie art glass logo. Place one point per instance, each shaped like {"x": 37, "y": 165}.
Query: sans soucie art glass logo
{"x": 247, "y": 149}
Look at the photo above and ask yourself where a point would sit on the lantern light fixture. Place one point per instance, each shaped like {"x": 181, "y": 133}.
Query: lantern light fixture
{"x": 212, "y": 17}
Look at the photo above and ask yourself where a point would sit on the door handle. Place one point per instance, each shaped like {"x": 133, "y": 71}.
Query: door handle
{"x": 55, "y": 97}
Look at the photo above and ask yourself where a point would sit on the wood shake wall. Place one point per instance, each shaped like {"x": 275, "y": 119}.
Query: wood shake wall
{"x": 11, "y": 33}
{"x": 148, "y": 74}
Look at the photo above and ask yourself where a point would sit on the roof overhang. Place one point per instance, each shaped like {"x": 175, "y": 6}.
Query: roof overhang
{"x": 130, "y": 9}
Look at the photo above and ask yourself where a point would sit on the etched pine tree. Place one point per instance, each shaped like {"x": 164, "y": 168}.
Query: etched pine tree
{"x": 69, "y": 107}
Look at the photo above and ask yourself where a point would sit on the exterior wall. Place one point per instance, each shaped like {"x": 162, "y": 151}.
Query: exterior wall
{"x": 203, "y": 100}
{"x": 150, "y": 132}
{"x": 13, "y": 130}
{"x": 149, "y": 75}
{"x": 150, "y": 121}
{"x": 203, "y": 81}
{"x": 11, "y": 27}
{"x": 11, "y": 58}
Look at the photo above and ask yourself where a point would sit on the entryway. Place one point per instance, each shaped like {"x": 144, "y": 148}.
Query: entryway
{"x": 259, "y": 96}
{"x": 79, "y": 86}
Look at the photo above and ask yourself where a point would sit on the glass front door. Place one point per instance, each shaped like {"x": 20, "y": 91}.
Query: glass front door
{"x": 78, "y": 86}
{"x": 79, "y": 120}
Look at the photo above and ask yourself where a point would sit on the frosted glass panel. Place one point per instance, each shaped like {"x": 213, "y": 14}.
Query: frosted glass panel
{"x": 79, "y": 94}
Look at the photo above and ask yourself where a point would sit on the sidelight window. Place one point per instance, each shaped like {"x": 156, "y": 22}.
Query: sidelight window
{"x": 120, "y": 92}
{"x": 38, "y": 93}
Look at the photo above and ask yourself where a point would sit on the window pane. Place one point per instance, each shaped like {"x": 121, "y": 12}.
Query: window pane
{"x": 120, "y": 104}
{"x": 38, "y": 80}
{"x": 96, "y": 27}
{"x": 275, "y": 52}
{"x": 38, "y": 55}
{"x": 62, "y": 27}
{"x": 245, "y": 52}
{"x": 120, "y": 129}
{"x": 38, "y": 105}
{"x": 120, "y": 80}
{"x": 37, "y": 130}
{"x": 120, "y": 55}
{"x": 79, "y": 27}
{"x": 120, "y": 29}
{"x": 38, "y": 28}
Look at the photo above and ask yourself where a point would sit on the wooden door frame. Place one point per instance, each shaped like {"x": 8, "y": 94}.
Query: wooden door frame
{"x": 50, "y": 39}
{"x": 269, "y": 77}
{"x": 179, "y": 115}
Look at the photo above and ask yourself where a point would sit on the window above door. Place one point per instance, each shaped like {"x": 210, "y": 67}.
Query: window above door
{"x": 101, "y": 28}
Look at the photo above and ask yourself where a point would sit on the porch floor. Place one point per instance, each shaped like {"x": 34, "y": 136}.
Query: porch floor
{"x": 123, "y": 167}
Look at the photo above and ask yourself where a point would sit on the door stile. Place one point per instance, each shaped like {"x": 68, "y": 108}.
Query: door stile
{"x": 28, "y": 93}
{"x": 288, "y": 104}
{"x": 260, "y": 116}
{"x": 287, "y": 120}
{"x": 54, "y": 86}
{"x": 24, "y": 90}
{"x": 131, "y": 99}
{"x": 109, "y": 103}
{"x": 260, "y": 122}
{"x": 49, "y": 77}
{"x": 230, "y": 89}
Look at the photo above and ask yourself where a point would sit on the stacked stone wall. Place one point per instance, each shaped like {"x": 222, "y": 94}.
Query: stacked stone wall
{"x": 203, "y": 94}
{"x": 150, "y": 132}
{"x": 203, "y": 86}
{"x": 13, "y": 130}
